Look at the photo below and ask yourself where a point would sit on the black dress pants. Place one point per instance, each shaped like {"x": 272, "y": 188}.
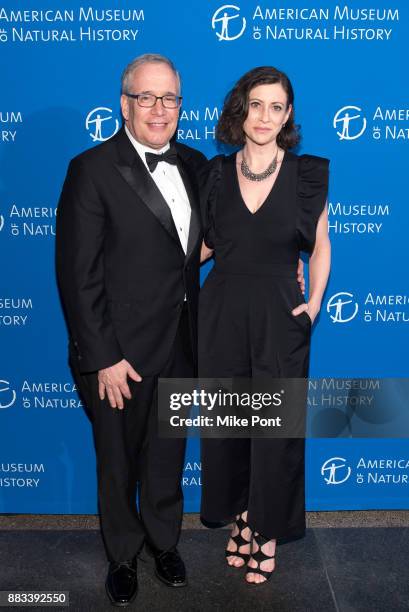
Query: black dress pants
{"x": 132, "y": 458}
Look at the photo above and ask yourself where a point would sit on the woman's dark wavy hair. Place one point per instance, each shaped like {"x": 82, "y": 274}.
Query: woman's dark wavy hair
{"x": 236, "y": 105}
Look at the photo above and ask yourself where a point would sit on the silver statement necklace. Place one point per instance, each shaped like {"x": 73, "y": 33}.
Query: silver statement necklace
{"x": 261, "y": 176}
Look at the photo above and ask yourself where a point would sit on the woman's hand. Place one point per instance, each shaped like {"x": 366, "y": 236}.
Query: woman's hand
{"x": 319, "y": 269}
{"x": 310, "y": 308}
{"x": 205, "y": 252}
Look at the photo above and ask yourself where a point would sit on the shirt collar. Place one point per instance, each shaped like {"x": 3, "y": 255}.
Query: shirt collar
{"x": 142, "y": 149}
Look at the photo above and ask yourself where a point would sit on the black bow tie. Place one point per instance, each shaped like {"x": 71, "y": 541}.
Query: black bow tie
{"x": 152, "y": 159}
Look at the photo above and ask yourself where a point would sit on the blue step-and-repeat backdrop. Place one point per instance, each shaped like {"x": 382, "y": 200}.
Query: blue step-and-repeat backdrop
{"x": 60, "y": 66}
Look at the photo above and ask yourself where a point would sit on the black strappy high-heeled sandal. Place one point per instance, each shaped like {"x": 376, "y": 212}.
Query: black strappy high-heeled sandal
{"x": 259, "y": 556}
{"x": 239, "y": 542}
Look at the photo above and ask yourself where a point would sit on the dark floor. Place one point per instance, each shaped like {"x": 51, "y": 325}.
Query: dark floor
{"x": 345, "y": 569}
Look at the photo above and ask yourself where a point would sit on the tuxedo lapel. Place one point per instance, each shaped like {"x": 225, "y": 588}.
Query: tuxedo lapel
{"x": 134, "y": 172}
{"x": 194, "y": 227}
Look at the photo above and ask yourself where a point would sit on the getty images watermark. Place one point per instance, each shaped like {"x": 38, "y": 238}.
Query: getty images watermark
{"x": 265, "y": 407}
{"x": 238, "y": 408}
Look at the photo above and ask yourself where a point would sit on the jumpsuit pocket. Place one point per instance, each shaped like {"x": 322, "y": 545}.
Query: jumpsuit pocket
{"x": 304, "y": 314}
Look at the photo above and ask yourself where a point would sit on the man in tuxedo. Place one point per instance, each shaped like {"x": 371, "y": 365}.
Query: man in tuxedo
{"x": 128, "y": 250}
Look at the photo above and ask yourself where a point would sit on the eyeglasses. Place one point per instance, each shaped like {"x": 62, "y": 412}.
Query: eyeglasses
{"x": 147, "y": 100}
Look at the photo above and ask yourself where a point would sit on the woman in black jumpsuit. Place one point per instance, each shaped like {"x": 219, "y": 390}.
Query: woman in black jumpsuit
{"x": 253, "y": 317}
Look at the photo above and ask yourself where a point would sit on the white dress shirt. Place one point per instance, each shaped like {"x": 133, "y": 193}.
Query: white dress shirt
{"x": 170, "y": 184}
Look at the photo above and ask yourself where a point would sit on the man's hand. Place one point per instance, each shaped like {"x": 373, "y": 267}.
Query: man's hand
{"x": 113, "y": 382}
{"x": 300, "y": 275}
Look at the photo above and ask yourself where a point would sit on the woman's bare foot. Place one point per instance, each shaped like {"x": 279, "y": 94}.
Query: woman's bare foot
{"x": 259, "y": 561}
{"x": 238, "y": 546}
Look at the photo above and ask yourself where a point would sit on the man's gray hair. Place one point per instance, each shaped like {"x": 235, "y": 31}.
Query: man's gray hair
{"x": 139, "y": 61}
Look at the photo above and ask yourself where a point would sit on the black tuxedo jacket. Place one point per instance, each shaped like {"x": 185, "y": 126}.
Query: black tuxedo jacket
{"x": 121, "y": 268}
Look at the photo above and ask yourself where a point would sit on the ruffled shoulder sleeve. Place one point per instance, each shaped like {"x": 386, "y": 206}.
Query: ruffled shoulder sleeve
{"x": 209, "y": 186}
{"x": 312, "y": 190}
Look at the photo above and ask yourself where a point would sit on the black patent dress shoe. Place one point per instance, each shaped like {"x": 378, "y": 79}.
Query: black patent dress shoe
{"x": 170, "y": 568}
{"x": 122, "y": 583}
